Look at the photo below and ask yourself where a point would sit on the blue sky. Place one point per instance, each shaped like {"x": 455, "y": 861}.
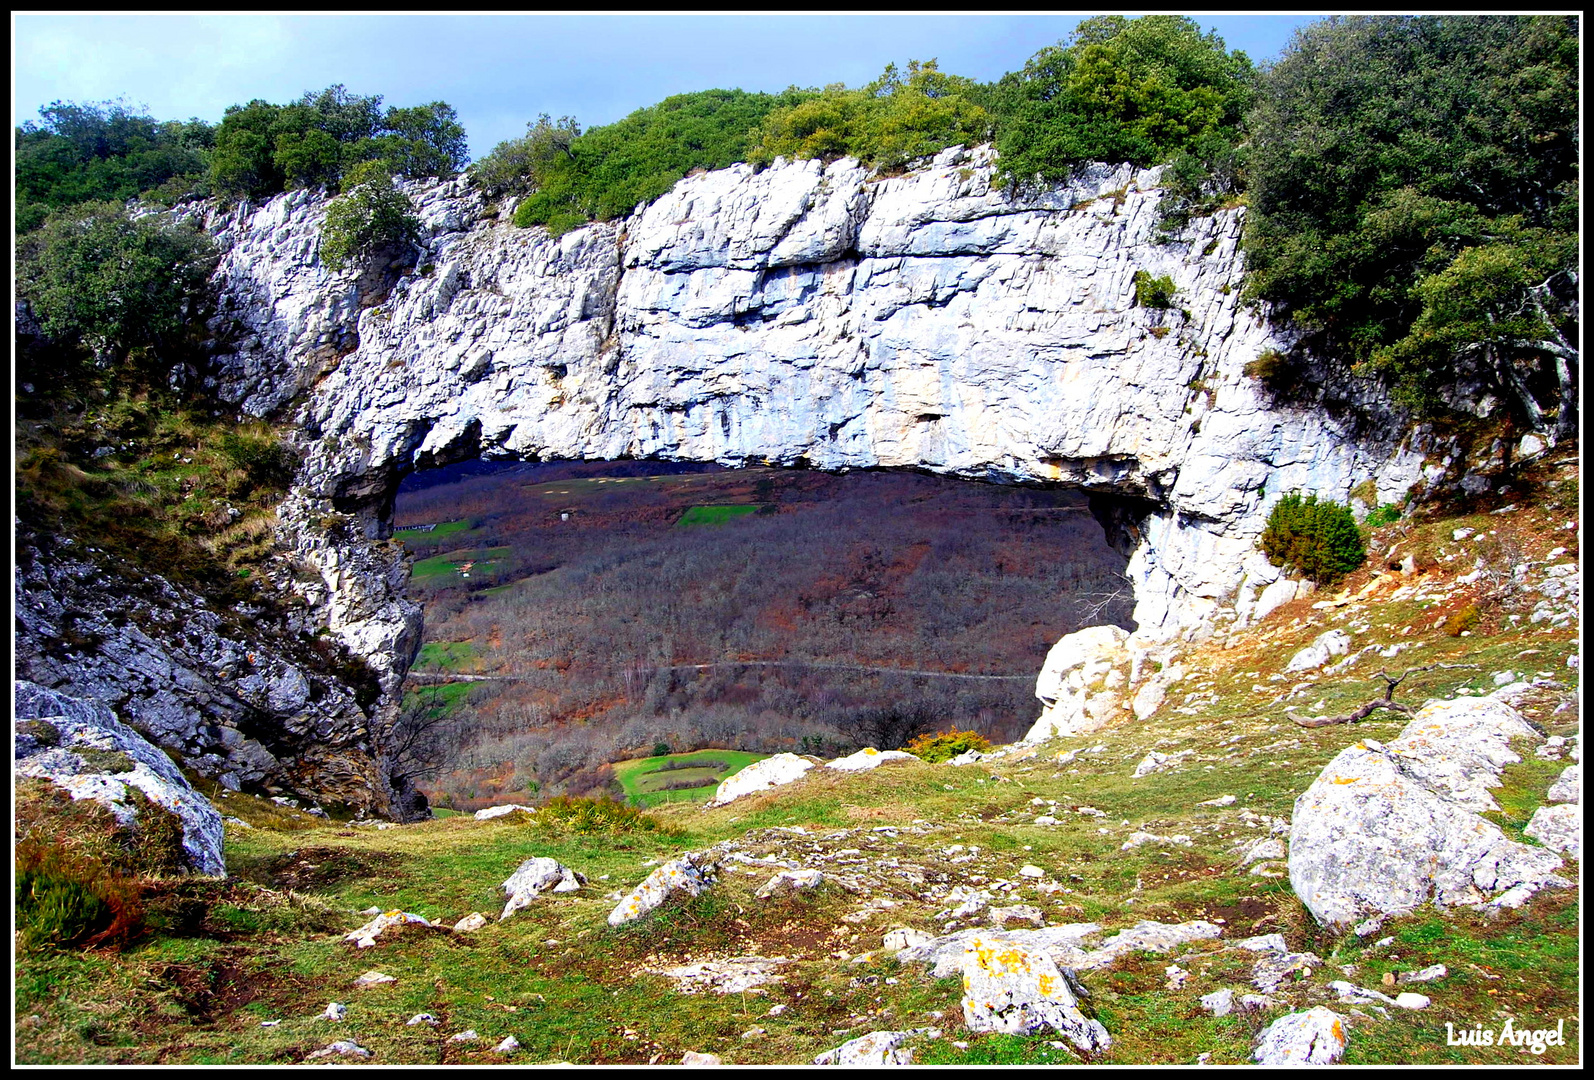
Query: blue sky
{"x": 501, "y": 71}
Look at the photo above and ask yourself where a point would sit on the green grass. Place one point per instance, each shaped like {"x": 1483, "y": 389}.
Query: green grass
{"x": 441, "y": 698}
{"x": 441, "y": 565}
{"x": 447, "y": 528}
{"x": 445, "y": 655}
{"x": 714, "y": 515}
{"x": 641, "y": 779}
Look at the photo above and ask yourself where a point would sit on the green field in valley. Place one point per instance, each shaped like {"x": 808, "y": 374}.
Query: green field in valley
{"x": 644, "y": 780}
{"x": 714, "y": 515}
{"x": 445, "y": 655}
{"x": 426, "y": 536}
{"x": 438, "y": 565}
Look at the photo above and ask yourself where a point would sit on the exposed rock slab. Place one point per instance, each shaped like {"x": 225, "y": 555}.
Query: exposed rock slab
{"x": 772, "y": 772}
{"x": 81, "y": 746}
{"x": 729, "y": 976}
{"x": 689, "y": 875}
{"x": 1559, "y": 827}
{"x": 869, "y": 758}
{"x": 1389, "y": 828}
{"x": 875, "y": 1048}
{"x": 1314, "y": 1037}
{"x": 1009, "y": 989}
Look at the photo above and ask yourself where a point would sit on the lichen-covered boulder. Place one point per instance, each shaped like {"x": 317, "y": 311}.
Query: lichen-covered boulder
{"x": 1559, "y": 827}
{"x": 1314, "y": 1037}
{"x": 80, "y": 745}
{"x": 869, "y": 758}
{"x": 875, "y": 1048}
{"x": 772, "y": 772}
{"x": 1010, "y": 989}
{"x": 1386, "y": 828}
{"x": 535, "y": 876}
{"x": 1327, "y": 644}
{"x": 691, "y": 874}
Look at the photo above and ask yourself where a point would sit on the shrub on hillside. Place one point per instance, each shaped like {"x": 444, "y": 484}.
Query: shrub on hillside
{"x": 1318, "y": 540}
{"x": 66, "y": 898}
{"x": 947, "y": 745}
{"x": 371, "y": 216}
{"x": 1153, "y": 292}
{"x": 594, "y": 815}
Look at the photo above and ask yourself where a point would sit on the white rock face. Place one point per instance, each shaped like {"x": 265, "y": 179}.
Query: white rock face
{"x": 535, "y": 876}
{"x": 1314, "y": 1037}
{"x": 1327, "y": 644}
{"x": 1388, "y": 828}
{"x": 490, "y": 812}
{"x": 691, "y": 874}
{"x": 78, "y": 732}
{"x": 799, "y": 312}
{"x": 762, "y": 775}
{"x": 1010, "y": 989}
{"x": 1559, "y": 827}
{"x": 1568, "y": 787}
{"x": 1081, "y": 685}
{"x": 868, "y": 758}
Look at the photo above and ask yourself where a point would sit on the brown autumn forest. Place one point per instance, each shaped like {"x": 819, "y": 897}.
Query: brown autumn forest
{"x": 824, "y": 613}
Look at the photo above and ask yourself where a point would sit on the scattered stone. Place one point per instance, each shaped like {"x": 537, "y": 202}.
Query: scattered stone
{"x": 1327, "y": 644}
{"x": 1157, "y": 762}
{"x": 1031, "y": 872}
{"x": 789, "y": 881}
{"x": 905, "y": 938}
{"x": 474, "y": 921}
{"x": 1256, "y": 1001}
{"x": 1065, "y": 945}
{"x": 754, "y": 1033}
{"x": 1427, "y": 974}
{"x": 772, "y": 772}
{"x": 508, "y": 1046}
{"x": 691, "y": 874}
{"x": 422, "y": 1018}
{"x": 535, "y": 876}
{"x": 875, "y": 1048}
{"x": 1219, "y": 1002}
{"x": 869, "y": 758}
{"x": 1559, "y": 827}
{"x": 1269, "y": 847}
{"x": 1386, "y": 828}
{"x": 1138, "y": 838}
{"x": 1148, "y": 936}
{"x": 1314, "y": 1037}
{"x": 366, "y": 936}
{"x": 1350, "y": 994}
{"x": 468, "y": 1035}
{"x": 335, "y": 1011}
{"x": 374, "y": 978}
{"x": 776, "y": 1010}
{"x": 1410, "y": 1000}
{"x": 730, "y": 976}
{"x": 1221, "y": 800}
{"x": 1176, "y": 976}
{"x": 341, "y": 1047}
{"x": 1047, "y": 819}
{"x": 1275, "y": 962}
{"x": 692, "y": 1057}
{"x": 1009, "y": 989}
{"x": 491, "y": 812}
{"x": 1018, "y": 913}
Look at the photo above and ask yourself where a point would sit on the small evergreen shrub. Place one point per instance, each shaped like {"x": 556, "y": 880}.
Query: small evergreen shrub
{"x": 583, "y": 815}
{"x": 661, "y": 749}
{"x": 1153, "y": 292}
{"x": 1465, "y": 619}
{"x": 1318, "y": 540}
{"x": 946, "y": 745}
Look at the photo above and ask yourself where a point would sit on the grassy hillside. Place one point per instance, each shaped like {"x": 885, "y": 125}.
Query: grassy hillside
{"x": 222, "y": 959}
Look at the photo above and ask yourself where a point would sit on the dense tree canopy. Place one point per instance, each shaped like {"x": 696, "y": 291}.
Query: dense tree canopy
{"x": 1413, "y": 193}
{"x": 1135, "y": 90}
{"x": 370, "y": 217}
{"x": 96, "y": 275}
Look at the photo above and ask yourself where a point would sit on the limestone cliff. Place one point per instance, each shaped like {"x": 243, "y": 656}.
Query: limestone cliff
{"x": 803, "y": 313}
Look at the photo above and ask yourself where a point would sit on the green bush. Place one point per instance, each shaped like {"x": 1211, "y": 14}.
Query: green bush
{"x": 594, "y": 815}
{"x": 372, "y": 216}
{"x": 1318, "y": 540}
{"x": 946, "y": 745}
{"x": 1153, "y": 292}
{"x": 1387, "y": 514}
{"x": 1467, "y": 618}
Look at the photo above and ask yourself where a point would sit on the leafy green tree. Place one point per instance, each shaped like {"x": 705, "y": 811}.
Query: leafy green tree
{"x": 425, "y": 140}
{"x": 1135, "y": 90}
{"x": 96, "y": 275}
{"x": 525, "y": 163}
{"x": 1413, "y": 190}
{"x": 243, "y": 164}
{"x": 371, "y": 216}
{"x": 889, "y": 123}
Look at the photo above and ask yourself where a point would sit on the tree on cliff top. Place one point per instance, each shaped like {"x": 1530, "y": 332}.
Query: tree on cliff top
{"x": 370, "y": 217}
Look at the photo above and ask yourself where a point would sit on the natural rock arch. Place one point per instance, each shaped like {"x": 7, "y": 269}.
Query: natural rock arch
{"x": 804, "y": 312}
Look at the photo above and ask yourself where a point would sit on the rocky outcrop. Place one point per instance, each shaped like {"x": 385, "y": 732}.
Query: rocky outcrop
{"x": 247, "y": 697}
{"x": 771, "y": 772}
{"x": 81, "y": 746}
{"x": 801, "y": 313}
{"x": 1386, "y": 828}
{"x": 1096, "y": 675}
{"x": 690, "y": 875}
